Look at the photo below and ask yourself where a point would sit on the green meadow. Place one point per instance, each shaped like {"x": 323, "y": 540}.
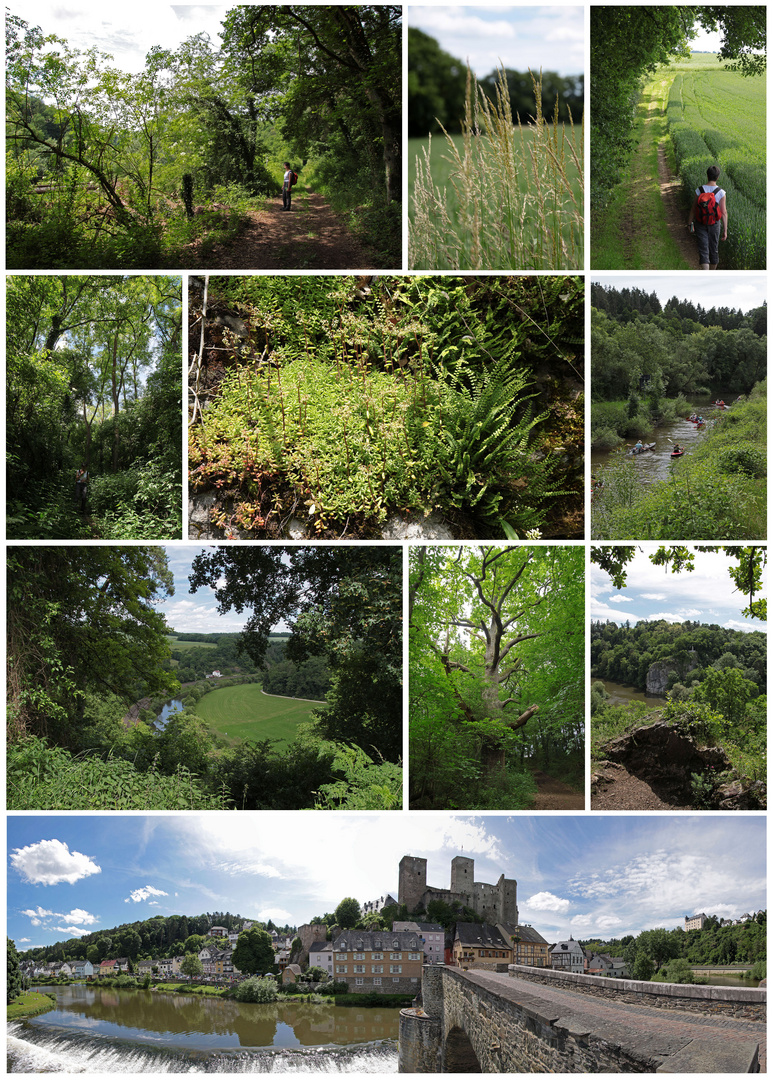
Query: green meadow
{"x": 238, "y": 713}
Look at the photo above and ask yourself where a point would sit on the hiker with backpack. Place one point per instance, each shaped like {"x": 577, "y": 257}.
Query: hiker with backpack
{"x": 290, "y": 180}
{"x": 708, "y": 218}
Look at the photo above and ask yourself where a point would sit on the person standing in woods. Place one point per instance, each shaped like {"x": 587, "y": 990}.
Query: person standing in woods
{"x": 287, "y": 187}
{"x": 81, "y": 488}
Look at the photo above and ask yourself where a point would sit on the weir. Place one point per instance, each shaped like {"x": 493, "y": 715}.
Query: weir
{"x": 539, "y": 1020}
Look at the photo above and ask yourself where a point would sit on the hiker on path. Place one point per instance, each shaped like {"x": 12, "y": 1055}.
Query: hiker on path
{"x": 287, "y": 187}
{"x": 708, "y": 218}
{"x": 81, "y": 488}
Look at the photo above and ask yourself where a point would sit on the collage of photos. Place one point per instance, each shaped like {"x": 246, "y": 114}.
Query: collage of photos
{"x": 386, "y": 687}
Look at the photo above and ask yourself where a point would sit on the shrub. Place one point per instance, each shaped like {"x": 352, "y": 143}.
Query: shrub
{"x": 257, "y": 990}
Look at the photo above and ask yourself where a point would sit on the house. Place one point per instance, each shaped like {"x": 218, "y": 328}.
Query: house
{"x": 568, "y": 956}
{"x": 378, "y": 961}
{"x": 82, "y": 969}
{"x": 217, "y": 932}
{"x": 695, "y": 922}
{"x": 107, "y": 967}
{"x": 433, "y": 938}
{"x": 122, "y": 964}
{"x": 604, "y": 964}
{"x": 529, "y": 946}
{"x": 482, "y": 945}
{"x": 321, "y": 956}
{"x": 291, "y": 973}
{"x": 145, "y": 967}
{"x": 378, "y": 905}
{"x": 169, "y": 965}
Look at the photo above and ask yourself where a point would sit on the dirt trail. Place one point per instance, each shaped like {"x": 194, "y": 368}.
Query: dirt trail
{"x": 553, "y": 795}
{"x": 621, "y": 790}
{"x": 670, "y": 191}
{"x": 309, "y": 237}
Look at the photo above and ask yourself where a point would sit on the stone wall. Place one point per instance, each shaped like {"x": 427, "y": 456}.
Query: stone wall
{"x": 746, "y": 1004}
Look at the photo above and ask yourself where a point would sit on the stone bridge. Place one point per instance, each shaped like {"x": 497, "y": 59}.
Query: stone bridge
{"x": 537, "y": 1020}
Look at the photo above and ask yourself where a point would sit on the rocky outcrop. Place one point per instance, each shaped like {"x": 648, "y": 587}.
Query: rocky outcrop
{"x": 665, "y": 759}
{"x": 658, "y": 673}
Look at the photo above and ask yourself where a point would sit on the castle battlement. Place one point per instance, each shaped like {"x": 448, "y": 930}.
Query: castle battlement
{"x": 496, "y": 903}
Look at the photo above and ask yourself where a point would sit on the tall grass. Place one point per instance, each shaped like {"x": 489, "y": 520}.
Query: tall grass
{"x": 517, "y": 200}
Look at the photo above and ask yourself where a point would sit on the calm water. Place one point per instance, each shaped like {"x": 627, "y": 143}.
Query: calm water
{"x": 167, "y": 713}
{"x": 727, "y": 980}
{"x": 97, "y": 1029}
{"x": 655, "y": 464}
{"x": 621, "y": 695}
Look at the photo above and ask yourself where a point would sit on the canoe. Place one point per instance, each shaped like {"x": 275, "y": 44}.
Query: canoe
{"x": 647, "y": 446}
{"x": 677, "y": 453}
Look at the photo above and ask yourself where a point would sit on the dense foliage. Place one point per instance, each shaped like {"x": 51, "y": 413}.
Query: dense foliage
{"x": 105, "y": 167}
{"x": 457, "y": 394}
{"x": 719, "y": 942}
{"x": 12, "y": 973}
{"x": 436, "y": 89}
{"x": 627, "y": 43}
{"x": 94, "y": 380}
{"x": 496, "y": 675}
{"x": 625, "y": 653}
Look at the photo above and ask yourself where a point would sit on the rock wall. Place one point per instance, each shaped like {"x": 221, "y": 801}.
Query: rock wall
{"x": 658, "y": 673}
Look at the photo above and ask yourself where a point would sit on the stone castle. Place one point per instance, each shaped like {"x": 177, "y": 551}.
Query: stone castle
{"x": 495, "y": 903}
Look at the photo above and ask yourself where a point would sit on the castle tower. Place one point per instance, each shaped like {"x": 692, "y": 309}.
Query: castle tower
{"x": 463, "y": 877}
{"x": 412, "y": 881}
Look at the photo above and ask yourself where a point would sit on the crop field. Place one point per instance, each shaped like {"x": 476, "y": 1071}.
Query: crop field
{"x": 238, "y": 713}
{"x": 717, "y": 116}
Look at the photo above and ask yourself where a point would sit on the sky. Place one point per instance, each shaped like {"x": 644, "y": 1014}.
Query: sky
{"x": 706, "y": 595}
{"x": 589, "y": 876}
{"x": 196, "y": 612}
{"x": 126, "y": 32}
{"x": 551, "y": 38}
{"x": 745, "y": 291}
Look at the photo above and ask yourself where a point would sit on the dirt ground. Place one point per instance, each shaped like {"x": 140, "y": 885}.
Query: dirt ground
{"x": 675, "y": 215}
{"x": 309, "y": 237}
{"x": 553, "y": 795}
{"x": 622, "y": 790}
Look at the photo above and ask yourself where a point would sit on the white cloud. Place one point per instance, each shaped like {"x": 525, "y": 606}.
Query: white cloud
{"x": 39, "y": 911}
{"x": 22, "y": 940}
{"x": 546, "y": 901}
{"x": 617, "y": 600}
{"x": 142, "y": 894}
{"x": 277, "y": 915}
{"x": 78, "y": 915}
{"x": 50, "y": 862}
{"x": 654, "y": 596}
{"x": 73, "y": 931}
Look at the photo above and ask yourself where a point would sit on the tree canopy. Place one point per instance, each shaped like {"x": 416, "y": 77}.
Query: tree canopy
{"x": 254, "y": 952}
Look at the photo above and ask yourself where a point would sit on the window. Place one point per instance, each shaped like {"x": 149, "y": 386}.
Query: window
{"x": 377, "y": 982}
{"x": 395, "y": 980}
{"x": 377, "y": 967}
{"x": 377, "y": 956}
{"x": 359, "y": 982}
{"x": 414, "y": 956}
{"x": 396, "y": 969}
{"x": 396, "y": 956}
{"x": 359, "y": 968}
{"x": 359, "y": 956}
{"x": 341, "y": 969}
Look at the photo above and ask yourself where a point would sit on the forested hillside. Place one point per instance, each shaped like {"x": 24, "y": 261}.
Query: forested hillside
{"x": 625, "y": 653}
{"x": 161, "y": 936}
{"x": 109, "y": 168}
{"x": 196, "y": 656}
{"x": 94, "y": 383}
{"x": 496, "y": 673}
{"x": 719, "y": 942}
{"x": 86, "y": 641}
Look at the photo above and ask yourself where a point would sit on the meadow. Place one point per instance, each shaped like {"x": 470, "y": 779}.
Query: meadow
{"x": 503, "y": 195}
{"x": 241, "y": 713}
{"x": 716, "y": 116}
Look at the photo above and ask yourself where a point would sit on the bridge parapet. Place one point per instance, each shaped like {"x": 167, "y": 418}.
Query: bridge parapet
{"x": 745, "y": 1003}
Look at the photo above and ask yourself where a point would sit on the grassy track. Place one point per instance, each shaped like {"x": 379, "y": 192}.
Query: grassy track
{"x": 633, "y": 233}
{"x": 237, "y": 713}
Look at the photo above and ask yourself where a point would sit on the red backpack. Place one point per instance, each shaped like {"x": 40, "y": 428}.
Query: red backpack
{"x": 707, "y": 210}
{"x": 293, "y": 178}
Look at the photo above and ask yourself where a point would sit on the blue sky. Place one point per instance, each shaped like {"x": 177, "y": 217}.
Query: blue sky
{"x": 551, "y": 38}
{"x": 195, "y": 612}
{"x": 706, "y": 595}
{"x": 587, "y": 875}
{"x": 743, "y": 293}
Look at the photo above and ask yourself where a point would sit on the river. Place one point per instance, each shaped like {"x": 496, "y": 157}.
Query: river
{"x": 167, "y": 713}
{"x": 102, "y": 1030}
{"x": 622, "y": 695}
{"x": 655, "y": 464}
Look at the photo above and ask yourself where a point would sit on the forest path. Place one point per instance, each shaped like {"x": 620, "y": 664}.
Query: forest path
{"x": 670, "y": 192}
{"x": 553, "y": 795}
{"x": 621, "y": 790}
{"x": 313, "y": 237}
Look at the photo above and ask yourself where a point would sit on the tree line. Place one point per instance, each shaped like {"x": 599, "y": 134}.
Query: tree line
{"x": 625, "y": 653}
{"x": 437, "y": 85}
{"x": 684, "y": 317}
